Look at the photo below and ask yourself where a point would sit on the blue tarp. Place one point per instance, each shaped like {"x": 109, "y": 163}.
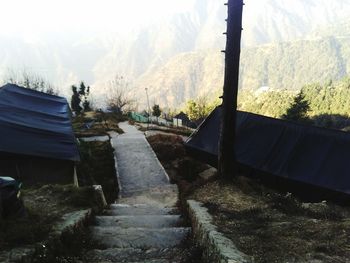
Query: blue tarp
{"x": 36, "y": 124}
{"x": 297, "y": 152}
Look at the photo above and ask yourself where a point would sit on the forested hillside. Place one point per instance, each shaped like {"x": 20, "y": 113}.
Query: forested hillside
{"x": 290, "y": 65}
{"x": 329, "y": 103}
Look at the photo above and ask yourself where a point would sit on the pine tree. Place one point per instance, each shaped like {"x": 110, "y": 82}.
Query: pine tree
{"x": 298, "y": 109}
{"x": 79, "y": 96}
{"x": 75, "y": 100}
{"x": 156, "y": 111}
{"x": 85, "y": 92}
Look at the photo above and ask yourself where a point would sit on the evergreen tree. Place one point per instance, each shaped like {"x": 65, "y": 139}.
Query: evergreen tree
{"x": 79, "y": 96}
{"x": 298, "y": 110}
{"x": 156, "y": 111}
{"x": 85, "y": 92}
{"x": 75, "y": 100}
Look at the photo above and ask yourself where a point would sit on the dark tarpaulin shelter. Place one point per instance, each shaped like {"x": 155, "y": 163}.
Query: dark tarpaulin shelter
{"x": 37, "y": 140}
{"x": 312, "y": 155}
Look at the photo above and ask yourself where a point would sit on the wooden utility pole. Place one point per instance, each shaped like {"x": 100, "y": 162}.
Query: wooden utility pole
{"x": 226, "y": 158}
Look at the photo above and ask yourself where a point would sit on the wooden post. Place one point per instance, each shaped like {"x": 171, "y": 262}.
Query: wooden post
{"x": 226, "y": 156}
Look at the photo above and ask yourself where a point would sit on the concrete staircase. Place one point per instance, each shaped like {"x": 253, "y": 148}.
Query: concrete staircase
{"x": 145, "y": 224}
{"x": 138, "y": 233}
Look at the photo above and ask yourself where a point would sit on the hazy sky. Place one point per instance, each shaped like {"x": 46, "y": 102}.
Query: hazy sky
{"x": 40, "y": 16}
{"x": 69, "y": 40}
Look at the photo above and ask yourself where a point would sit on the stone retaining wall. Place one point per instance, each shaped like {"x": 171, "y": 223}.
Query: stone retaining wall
{"x": 216, "y": 247}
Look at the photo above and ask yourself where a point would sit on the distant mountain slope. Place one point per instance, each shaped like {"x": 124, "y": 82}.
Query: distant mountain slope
{"x": 178, "y": 57}
{"x": 196, "y": 68}
{"x": 185, "y": 76}
{"x": 292, "y": 64}
{"x": 288, "y": 65}
{"x": 267, "y": 21}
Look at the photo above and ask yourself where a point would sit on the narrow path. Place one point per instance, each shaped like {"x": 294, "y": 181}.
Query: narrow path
{"x": 144, "y": 225}
{"x": 137, "y": 164}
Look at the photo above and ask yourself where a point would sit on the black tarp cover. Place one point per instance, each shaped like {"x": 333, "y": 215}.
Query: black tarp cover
{"x": 308, "y": 154}
{"x": 36, "y": 124}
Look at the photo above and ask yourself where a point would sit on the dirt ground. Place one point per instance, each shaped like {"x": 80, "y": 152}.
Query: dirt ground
{"x": 267, "y": 225}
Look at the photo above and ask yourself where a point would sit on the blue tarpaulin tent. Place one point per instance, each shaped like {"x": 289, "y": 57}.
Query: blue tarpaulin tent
{"x": 35, "y": 125}
{"x": 302, "y": 153}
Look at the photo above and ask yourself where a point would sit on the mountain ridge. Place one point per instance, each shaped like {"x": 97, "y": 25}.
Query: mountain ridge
{"x": 149, "y": 56}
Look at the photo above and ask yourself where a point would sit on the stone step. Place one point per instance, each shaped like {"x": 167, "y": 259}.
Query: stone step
{"x": 138, "y": 209}
{"x": 160, "y": 200}
{"x": 144, "y": 221}
{"x": 154, "y": 261}
{"x": 116, "y": 237}
{"x": 163, "y": 195}
{"x": 133, "y": 255}
{"x": 169, "y": 189}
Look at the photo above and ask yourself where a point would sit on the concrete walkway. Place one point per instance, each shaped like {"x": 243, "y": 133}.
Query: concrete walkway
{"x": 137, "y": 165}
{"x": 144, "y": 225}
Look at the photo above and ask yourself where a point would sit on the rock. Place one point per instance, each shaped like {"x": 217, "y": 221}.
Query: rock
{"x": 209, "y": 173}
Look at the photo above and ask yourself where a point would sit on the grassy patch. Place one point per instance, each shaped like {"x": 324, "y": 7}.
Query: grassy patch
{"x": 45, "y": 206}
{"x": 97, "y": 167}
{"x": 100, "y": 123}
{"x": 167, "y": 147}
{"x": 181, "y": 168}
{"x": 173, "y": 130}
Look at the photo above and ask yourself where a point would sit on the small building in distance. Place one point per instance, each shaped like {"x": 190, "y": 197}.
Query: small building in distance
{"x": 37, "y": 143}
{"x": 182, "y": 119}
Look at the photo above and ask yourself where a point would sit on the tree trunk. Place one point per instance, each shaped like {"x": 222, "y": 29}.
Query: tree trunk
{"x": 226, "y": 156}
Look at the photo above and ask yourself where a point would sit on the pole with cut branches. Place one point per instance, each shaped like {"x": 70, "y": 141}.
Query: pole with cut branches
{"x": 226, "y": 156}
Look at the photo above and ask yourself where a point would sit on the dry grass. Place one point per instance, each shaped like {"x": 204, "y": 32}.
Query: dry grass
{"x": 181, "y": 168}
{"x": 167, "y": 147}
{"x": 276, "y": 227}
{"x": 45, "y": 206}
{"x": 103, "y": 123}
{"x": 268, "y": 225}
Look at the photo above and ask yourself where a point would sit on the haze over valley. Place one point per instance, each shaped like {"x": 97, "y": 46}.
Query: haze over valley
{"x": 176, "y": 54}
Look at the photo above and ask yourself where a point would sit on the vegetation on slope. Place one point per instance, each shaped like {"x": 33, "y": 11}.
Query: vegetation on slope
{"x": 45, "y": 205}
{"x": 97, "y": 167}
{"x": 290, "y": 65}
{"x": 279, "y": 66}
{"x": 328, "y": 104}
